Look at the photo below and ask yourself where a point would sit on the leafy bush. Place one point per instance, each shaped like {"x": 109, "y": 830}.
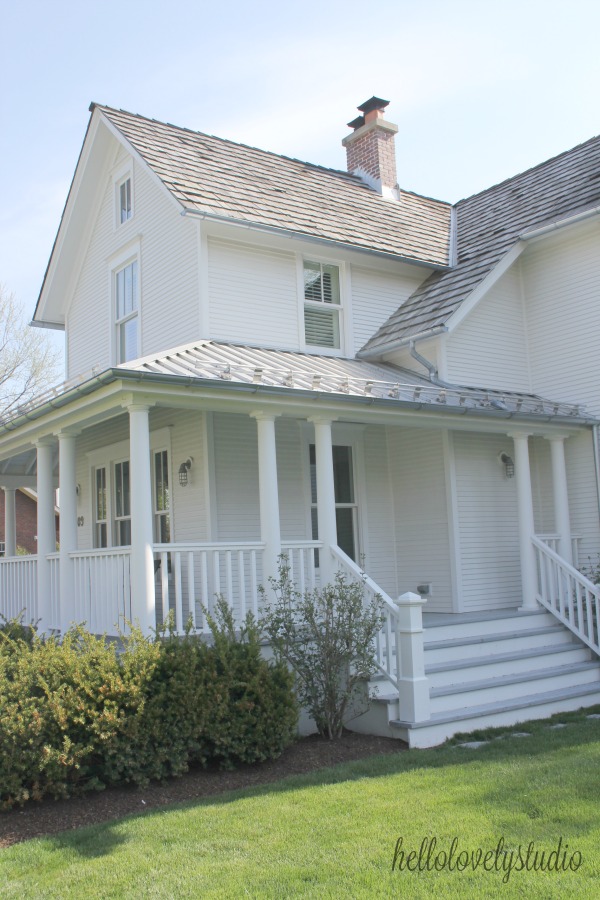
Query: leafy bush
{"x": 82, "y": 713}
{"x": 327, "y": 637}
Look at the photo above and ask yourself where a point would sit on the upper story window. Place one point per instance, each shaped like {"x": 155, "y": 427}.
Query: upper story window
{"x": 322, "y": 307}
{"x": 126, "y": 311}
{"x": 125, "y": 208}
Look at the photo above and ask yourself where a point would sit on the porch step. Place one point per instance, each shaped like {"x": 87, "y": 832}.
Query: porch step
{"x": 512, "y": 687}
{"x": 471, "y": 647}
{"x": 448, "y": 627}
{"x": 493, "y": 665}
{"x": 441, "y": 726}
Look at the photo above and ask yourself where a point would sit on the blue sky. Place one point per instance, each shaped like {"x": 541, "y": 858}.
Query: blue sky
{"x": 480, "y": 89}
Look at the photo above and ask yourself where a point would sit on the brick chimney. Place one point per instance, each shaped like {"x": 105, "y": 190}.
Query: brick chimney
{"x": 370, "y": 148}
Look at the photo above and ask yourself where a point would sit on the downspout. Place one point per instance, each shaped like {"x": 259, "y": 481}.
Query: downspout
{"x": 433, "y": 372}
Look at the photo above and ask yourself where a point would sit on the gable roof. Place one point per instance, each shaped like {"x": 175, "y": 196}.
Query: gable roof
{"x": 230, "y": 181}
{"x": 488, "y": 225}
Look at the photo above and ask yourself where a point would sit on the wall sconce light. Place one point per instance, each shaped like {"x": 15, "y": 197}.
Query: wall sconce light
{"x": 184, "y": 468}
{"x": 509, "y": 467}
{"x": 78, "y": 490}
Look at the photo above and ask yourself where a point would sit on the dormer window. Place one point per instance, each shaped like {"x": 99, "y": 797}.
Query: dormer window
{"x": 125, "y": 210}
{"x": 321, "y": 305}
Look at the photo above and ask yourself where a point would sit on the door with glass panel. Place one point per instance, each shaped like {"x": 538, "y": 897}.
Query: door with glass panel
{"x": 346, "y": 506}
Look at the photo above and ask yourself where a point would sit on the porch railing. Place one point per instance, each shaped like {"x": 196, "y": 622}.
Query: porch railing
{"x": 53, "y": 618}
{"x": 567, "y": 594}
{"x": 553, "y": 540}
{"x": 387, "y": 649}
{"x": 301, "y": 560}
{"x": 190, "y": 576}
{"x": 102, "y": 595}
{"x": 18, "y": 587}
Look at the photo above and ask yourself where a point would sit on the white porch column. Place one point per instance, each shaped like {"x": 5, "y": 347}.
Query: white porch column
{"x": 562, "y": 520}
{"x": 10, "y": 522}
{"x": 46, "y": 533}
{"x": 68, "y": 525}
{"x": 270, "y": 530}
{"x": 526, "y": 525}
{"x": 414, "y": 703}
{"x": 143, "y": 601}
{"x": 325, "y": 496}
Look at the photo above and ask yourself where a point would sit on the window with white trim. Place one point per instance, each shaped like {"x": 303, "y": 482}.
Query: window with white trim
{"x": 126, "y": 311}
{"x": 322, "y": 305}
{"x": 162, "y": 505}
{"x": 125, "y": 206}
{"x": 122, "y": 521}
{"x": 100, "y": 508}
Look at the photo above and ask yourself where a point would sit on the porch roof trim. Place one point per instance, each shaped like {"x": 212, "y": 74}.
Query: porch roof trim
{"x": 286, "y": 373}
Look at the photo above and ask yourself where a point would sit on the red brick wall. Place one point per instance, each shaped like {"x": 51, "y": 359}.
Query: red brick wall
{"x": 26, "y": 515}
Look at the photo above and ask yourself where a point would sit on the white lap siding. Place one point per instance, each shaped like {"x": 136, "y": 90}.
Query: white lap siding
{"x": 488, "y": 525}
{"x": 416, "y": 459}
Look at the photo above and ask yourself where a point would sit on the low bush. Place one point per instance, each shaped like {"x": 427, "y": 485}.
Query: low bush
{"x": 327, "y": 637}
{"x": 82, "y": 713}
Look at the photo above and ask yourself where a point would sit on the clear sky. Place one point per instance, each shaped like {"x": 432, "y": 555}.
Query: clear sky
{"x": 480, "y": 89}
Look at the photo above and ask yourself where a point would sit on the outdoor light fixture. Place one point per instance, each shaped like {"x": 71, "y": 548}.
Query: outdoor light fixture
{"x": 509, "y": 467}
{"x": 184, "y": 468}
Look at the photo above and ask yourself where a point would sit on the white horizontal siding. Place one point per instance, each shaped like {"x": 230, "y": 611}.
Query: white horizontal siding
{"x": 583, "y": 497}
{"x": 236, "y": 478}
{"x": 375, "y": 297}
{"x": 293, "y": 485}
{"x": 487, "y": 523}
{"x": 253, "y": 295}
{"x": 561, "y": 279}
{"x": 378, "y": 512}
{"x": 489, "y": 347}
{"x": 168, "y": 276}
{"x": 416, "y": 459}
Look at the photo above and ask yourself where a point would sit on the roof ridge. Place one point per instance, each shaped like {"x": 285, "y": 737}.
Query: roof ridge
{"x": 294, "y": 159}
{"x": 538, "y": 166}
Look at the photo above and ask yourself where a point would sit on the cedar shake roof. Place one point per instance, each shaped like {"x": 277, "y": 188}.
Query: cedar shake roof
{"x": 488, "y": 225}
{"x": 224, "y": 179}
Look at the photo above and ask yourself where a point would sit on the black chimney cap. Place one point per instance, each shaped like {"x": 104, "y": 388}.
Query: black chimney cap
{"x": 373, "y": 103}
{"x": 357, "y": 123}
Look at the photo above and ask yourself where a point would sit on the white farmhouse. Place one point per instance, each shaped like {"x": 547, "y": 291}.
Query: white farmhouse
{"x": 267, "y": 356}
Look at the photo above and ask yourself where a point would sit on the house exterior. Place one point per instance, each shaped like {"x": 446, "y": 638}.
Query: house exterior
{"x": 266, "y": 356}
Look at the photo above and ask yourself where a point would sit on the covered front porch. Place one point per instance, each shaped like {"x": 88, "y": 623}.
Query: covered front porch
{"x": 175, "y": 490}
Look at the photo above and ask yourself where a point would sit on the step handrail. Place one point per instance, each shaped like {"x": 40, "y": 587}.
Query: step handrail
{"x": 571, "y": 597}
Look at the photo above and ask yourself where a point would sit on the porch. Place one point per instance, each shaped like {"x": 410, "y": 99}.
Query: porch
{"x": 173, "y": 491}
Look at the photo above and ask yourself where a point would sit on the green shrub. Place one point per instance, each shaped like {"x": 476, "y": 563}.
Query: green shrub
{"x": 327, "y": 637}
{"x": 82, "y": 713}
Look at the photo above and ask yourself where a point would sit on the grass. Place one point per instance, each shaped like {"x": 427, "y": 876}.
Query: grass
{"x": 332, "y": 834}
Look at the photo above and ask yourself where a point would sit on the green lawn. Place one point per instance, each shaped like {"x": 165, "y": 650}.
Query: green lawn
{"x": 333, "y": 834}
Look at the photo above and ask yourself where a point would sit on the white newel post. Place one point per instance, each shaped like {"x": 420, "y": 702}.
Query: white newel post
{"x": 562, "y": 520}
{"x": 46, "y": 532}
{"x": 526, "y": 523}
{"x": 68, "y": 526}
{"x": 143, "y": 601}
{"x": 325, "y": 497}
{"x": 10, "y": 522}
{"x": 414, "y": 703}
{"x": 270, "y": 530}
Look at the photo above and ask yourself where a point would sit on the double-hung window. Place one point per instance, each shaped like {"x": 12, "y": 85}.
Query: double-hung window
{"x": 162, "y": 519}
{"x": 100, "y": 508}
{"x": 322, "y": 307}
{"x": 126, "y": 311}
{"x": 122, "y": 523}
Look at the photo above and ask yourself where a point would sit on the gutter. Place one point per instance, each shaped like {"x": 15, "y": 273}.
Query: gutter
{"x": 377, "y": 352}
{"x": 301, "y": 236}
{"x": 562, "y": 223}
{"x": 128, "y": 375}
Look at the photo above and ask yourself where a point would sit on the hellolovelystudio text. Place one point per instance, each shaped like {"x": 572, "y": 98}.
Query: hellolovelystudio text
{"x": 433, "y": 858}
